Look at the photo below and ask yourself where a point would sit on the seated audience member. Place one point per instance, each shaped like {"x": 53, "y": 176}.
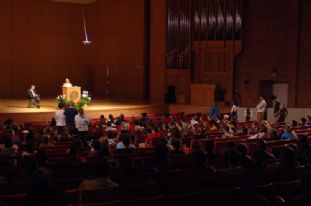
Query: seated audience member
{"x": 161, "y": 161}
{"x": 100, "y": 179}
{"x": 74, "y": 152}
{"x": 124, "y": 126}
{"x": 30, "y": 150}
{"x": 286, "y": 170}
{"x": 246, "y": 160}
{"x": 176, "y": 144}
{"x": 105, "y": 149}
{"x": 44, "y": 192}
{"x": 32, "y": 94}
{"x": 263, "y": 147}
{"x": 101, "y": 121}
{"x": 305, "y": 198}
{"x": 308, "y": 120}
{"x": 209, "y": 150}
{"x": 126, "y": 173}
{"x": 288, "y": 132}
{"x": 70, "y": 114}
{"x": 8, "y": 148}
{"x": 303, "y": 121}
{"x": 60, "y": 118}
{"x": 294, "y": 123}
{"x": 10, "y": 125}
{"x": 111, "y": 120}
{"x": 46, "y": 141}
{"x": 227, "y": 132}
{"x": 199, "y": 169}
{"x": 125, "y": 144}
{"x": 119, "y": 119}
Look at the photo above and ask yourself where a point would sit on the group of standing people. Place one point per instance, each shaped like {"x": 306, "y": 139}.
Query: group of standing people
{"x": 280, "y": 111}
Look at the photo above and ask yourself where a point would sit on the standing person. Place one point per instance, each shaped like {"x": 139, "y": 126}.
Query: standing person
{"x": 32, "y": 94}
{"x": 234, "y": 112}
{"x": 82, "y": 125}
{"x": 248, "y": 114}
{"x": 276, "y": 107}
{"x": 70, "y": 114}
{"x": 60, "y": 118}
{"x": 283, "y": 112}
{"x": 261, "y": 108}
{"x": 214, "y": 111}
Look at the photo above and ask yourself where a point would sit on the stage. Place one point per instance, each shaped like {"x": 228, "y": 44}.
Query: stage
{"x": 18, "y": 110}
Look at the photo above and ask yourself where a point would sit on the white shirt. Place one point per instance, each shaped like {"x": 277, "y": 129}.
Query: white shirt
{"x": 82, "y": 123}
{"x": 67, "y": 85}
{"x": 234, "y": 108}
{"x": 261, "y": 107}
{"x": 60, "y": 118}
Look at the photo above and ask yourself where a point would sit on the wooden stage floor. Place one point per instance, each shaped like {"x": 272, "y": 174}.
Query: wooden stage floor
{"x": 17, "y": 109}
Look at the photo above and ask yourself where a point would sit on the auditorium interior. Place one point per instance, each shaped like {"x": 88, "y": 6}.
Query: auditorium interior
{"x": 155, "y": 102}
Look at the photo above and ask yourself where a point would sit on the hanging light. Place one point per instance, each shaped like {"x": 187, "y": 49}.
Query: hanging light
{"x": 86, "y": 39}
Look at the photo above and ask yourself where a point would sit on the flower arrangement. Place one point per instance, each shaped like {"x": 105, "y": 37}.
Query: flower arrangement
{"x": 85, "y": 100}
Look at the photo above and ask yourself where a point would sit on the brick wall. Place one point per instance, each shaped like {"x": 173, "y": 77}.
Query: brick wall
{"x": 272, "y": 30}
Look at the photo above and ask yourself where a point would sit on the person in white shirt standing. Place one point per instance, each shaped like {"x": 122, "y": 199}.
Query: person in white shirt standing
{"x": 82, "y": 125}
{"x": 261, "y": 108}
{"x": 60, "y": 119}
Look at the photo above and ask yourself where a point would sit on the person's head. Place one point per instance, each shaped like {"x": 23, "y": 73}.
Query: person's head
{"x": 261, "y": 98}
{"x": 126, "y": 140}
{"x": 294, "y": 123}
{"x": 231, "y": 145}
{"x": 102, "y": 117}
{"x": 67, "y": 81}
{"x": 60, "y": 106}
{"x": 305, "y": 182}
{"x": 32, "y": 86}
{"x": 81, "y": 112}
{"x": 303, "y": 120}
{"x": 288, "y": 157}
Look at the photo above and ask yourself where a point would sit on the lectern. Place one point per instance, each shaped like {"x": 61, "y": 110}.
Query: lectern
{"x": 202, "y": 94}
{"x": 72, "y": 93}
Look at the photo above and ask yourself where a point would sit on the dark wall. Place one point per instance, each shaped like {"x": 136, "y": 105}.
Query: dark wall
{"x": 270, "y": 44}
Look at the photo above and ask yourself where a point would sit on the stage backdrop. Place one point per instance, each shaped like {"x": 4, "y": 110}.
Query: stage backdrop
{"x": 41, "y": 43}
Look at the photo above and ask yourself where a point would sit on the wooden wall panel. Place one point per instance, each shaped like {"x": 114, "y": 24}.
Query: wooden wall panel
{"x": 5, "y": 16}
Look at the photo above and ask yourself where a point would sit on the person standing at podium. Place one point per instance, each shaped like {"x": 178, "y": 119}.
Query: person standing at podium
{"x": 67, "y": 83}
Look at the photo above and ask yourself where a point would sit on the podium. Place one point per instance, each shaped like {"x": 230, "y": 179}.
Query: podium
{"x": 72, "y": 93}
{"x": 202, "y": 94}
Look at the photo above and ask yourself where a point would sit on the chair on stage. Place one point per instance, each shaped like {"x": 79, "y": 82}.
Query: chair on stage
{"x": 31, "y": 101}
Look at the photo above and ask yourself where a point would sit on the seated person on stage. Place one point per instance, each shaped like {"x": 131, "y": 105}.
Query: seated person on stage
{"x": 33, "y": 95}
{"x": 67, "y": 83}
